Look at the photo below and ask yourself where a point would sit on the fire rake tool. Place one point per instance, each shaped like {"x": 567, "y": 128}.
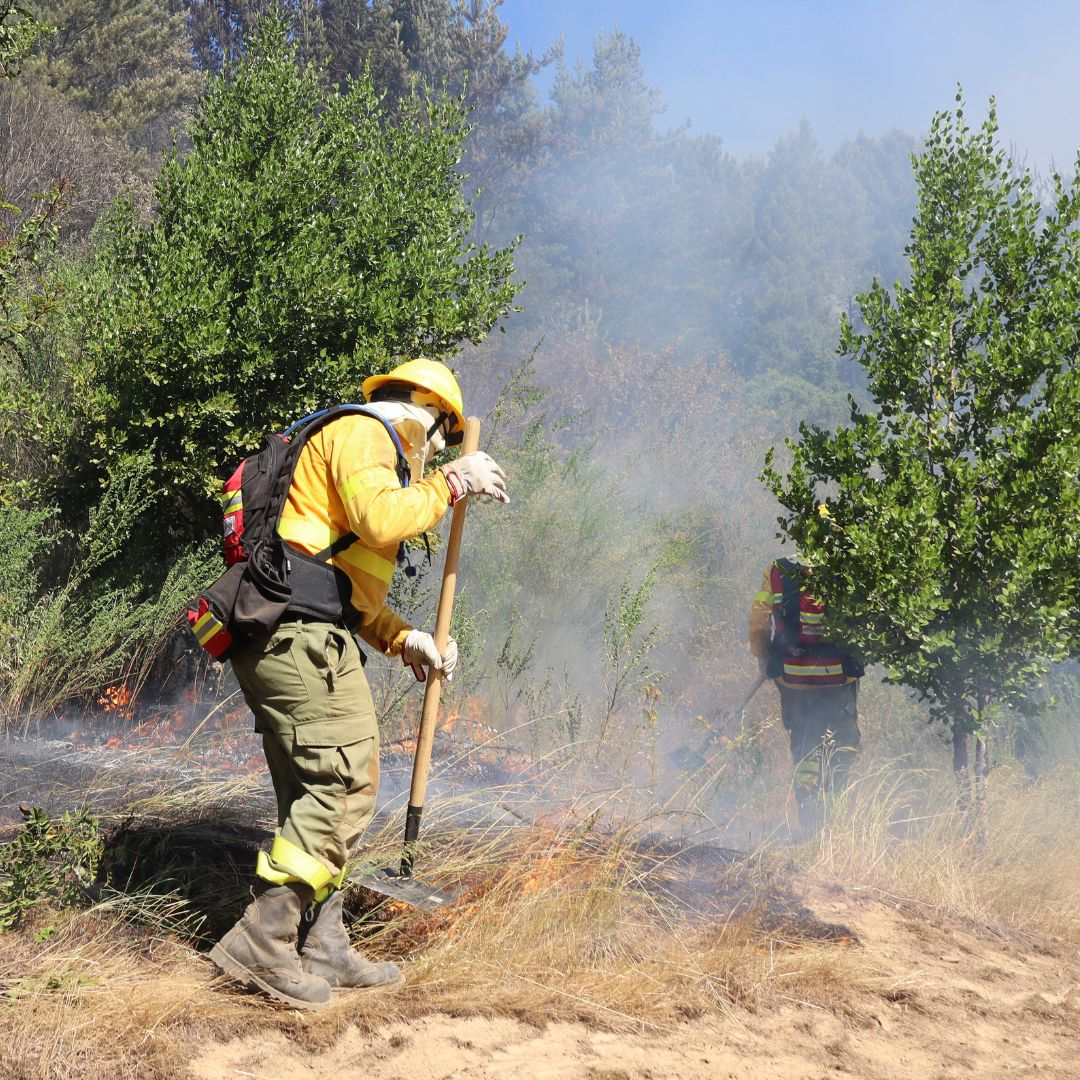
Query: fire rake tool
{"x": 398, "y": 883}
{"x": 687, "y": 760}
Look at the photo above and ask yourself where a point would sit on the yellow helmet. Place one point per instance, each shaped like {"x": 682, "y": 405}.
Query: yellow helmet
{"x": 434, "y": 380}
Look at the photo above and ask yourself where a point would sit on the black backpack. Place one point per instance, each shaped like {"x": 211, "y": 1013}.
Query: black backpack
{"x": 787, "y": 640}
{"x": 262, "y": 570}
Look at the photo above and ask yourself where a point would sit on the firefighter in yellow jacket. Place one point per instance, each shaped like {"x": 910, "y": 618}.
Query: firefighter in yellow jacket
{"x": 305, "y": 682}
{"x": 817, "y": 681}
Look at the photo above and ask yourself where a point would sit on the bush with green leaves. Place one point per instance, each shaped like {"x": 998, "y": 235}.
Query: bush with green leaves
{"x": 50, "y": 860}
{"x": 19, "y": 31}
{"x": 942, "y": 525}
{"x": 303, "y": 243}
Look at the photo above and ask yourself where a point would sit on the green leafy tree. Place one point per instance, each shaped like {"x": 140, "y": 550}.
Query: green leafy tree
{"x": 607, "y": 103}
{"x": 941, "y": 525}
{"x": 219, "y": 28}
{"x": 29, "y": 288}
{"x": 408, "y": 47}
{"x": 300, "y": 245}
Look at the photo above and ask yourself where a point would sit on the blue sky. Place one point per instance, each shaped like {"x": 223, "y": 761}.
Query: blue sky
{"x": 749, "y": 72}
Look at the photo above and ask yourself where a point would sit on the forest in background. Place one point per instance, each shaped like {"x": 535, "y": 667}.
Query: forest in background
{"x": 672, "y": 313}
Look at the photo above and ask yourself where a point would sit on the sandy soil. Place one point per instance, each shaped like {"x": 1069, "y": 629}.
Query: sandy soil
{"x": 944, "y": 1000}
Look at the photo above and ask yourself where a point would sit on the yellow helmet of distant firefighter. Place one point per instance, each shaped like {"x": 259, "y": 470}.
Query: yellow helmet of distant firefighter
{"x": 428, "y": 382}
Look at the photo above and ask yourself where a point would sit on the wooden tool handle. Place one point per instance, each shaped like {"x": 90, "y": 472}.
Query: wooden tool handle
{"x": 433, "y": 688}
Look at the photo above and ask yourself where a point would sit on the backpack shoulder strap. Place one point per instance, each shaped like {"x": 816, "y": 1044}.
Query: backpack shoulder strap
{"x": 792, "y": 589}
{"x": 308, "y": 425}
{"x": 298, "y": 434}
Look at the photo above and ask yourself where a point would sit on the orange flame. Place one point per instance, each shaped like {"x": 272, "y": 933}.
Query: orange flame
{"x": 117, "y": 699}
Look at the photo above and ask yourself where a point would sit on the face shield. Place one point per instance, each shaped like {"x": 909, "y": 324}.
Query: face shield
{"x": 444, "y": 430}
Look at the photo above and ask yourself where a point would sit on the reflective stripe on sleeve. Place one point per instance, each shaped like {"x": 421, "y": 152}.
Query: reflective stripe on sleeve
{"x": 318, "y": 536}
{"x": 356, "y": 481}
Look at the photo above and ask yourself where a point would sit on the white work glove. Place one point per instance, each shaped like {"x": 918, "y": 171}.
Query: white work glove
{"x": 475, "y": 474}
{"x": 419, "y": 651}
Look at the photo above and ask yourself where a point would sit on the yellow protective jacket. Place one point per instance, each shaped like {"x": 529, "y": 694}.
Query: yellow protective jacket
{"x": 346, "y": 481}
{"x": 761, "y": 612}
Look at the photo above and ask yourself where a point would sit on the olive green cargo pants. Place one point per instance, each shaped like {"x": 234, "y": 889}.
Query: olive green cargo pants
{"x": 306, "y": 686}
{"x": 823, "y": 723}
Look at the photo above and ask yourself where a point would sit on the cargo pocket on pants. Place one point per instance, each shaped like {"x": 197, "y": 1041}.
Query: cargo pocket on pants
{"x": 330, "y": 748}
{"x": 347, "y": 774}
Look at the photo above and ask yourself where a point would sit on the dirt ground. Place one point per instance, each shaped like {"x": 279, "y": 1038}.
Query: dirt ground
{"x": 946, "y": 1000}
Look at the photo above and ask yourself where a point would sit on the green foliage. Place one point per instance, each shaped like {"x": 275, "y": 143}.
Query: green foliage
{"x": 629, "y": 640}
{"x": 609, "y": 102}
{"x": 125, "y": 63}
{"x": 28, "y": 288}
{"x": 41, "y": 379}
{"x": 407, "y": 46}
{"x": 104, "y": 621}
{"x": 49, "y": 860}
{"x": 300, "y": 245}
{"x": 25, "y": 542}
{"x": 525, "y": 560}
{"x": 947, "y": 549}
{"x": 666, "y": 241}
{"x": 19, "y": 32}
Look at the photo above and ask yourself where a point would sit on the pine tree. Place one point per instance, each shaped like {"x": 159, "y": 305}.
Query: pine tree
{"x": 126, "y": 63}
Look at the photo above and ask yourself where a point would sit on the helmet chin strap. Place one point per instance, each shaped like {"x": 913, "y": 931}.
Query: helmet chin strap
{"x": 436, "y": 436}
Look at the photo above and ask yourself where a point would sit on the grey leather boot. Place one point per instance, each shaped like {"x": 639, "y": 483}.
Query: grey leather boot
{"x": 260, "y": 950}
{"x": 325, "y": 950}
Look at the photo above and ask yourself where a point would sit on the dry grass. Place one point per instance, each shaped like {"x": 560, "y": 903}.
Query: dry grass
{"x": 561, "y": 918}
{"x": 557, "y": 921}
{"x": 899, "y": 834}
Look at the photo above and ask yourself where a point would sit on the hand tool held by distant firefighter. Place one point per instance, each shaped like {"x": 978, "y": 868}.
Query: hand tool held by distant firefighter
{"x": 687, "y": 760}
{"x": 433, "y": 689}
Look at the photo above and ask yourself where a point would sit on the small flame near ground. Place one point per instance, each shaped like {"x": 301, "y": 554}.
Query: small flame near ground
{"x": 117, "y": 699}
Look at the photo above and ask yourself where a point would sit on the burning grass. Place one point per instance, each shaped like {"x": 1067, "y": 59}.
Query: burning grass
{"x": 559, "y": 920}
{"x": 569, "y": 910}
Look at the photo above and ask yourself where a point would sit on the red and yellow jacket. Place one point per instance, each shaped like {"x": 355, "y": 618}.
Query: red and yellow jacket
{"x": 345, "y": 481}
{"x": 812, "y": 661}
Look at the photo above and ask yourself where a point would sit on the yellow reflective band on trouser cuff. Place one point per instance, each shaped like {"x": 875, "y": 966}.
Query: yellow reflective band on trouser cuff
{"x": 318, "y": 537}
{"x": 806, "y": 669}
{"x": 334, "y": 886}
{"x": 286, "y": 862}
